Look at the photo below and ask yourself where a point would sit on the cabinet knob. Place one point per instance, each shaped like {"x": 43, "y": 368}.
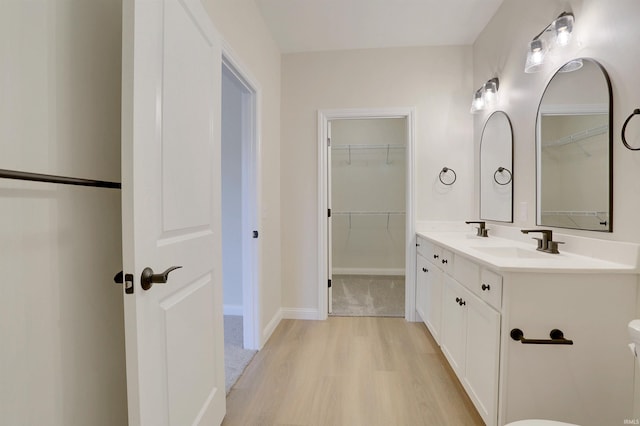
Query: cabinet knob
{"x": 435, "y": 256}
{"x": 458, "y": 300}
{"x": 486, "y": 287}
{"x": 425, "y": 270}
{"x": 445, "y": 261}
{"x": 462, "y": 302}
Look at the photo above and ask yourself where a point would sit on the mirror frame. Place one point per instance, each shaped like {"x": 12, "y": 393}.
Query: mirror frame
{"x": 610, "y": 146}
{"x": 480, "y": 162}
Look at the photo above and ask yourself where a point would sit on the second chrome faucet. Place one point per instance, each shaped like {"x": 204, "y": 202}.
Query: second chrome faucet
{"x": 482, "y": 230}
{"x": 546, "y": 243}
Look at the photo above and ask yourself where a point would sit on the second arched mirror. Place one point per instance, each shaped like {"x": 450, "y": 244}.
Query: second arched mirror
{"x": 496, "y": 169}
{"x": 574, "y": 145}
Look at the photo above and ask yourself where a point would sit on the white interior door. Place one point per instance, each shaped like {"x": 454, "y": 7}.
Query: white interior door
{"x": 171, "y": 213}
{"x": 329, "y": 223}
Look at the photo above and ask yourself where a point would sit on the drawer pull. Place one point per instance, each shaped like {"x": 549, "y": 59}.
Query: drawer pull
{"x": 435, "y": 256}
{"x": 425, "y": 270}
{"x": 460, "y": 301}
{"x": 557, "y": 338}
{"x": 486, "y": 287}
{"x": 444, "y": 261}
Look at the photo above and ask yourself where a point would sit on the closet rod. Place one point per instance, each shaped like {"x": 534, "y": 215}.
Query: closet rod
{"x": 38, "y": 177}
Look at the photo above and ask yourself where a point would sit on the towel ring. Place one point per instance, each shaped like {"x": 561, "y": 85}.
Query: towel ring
{"x": 500, "y": 170}
{"x": 446, "y": 170}
{"x": 624, "y": 129}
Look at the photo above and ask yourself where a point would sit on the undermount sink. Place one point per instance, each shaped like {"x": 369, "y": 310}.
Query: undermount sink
{"x": 513, "y": 252}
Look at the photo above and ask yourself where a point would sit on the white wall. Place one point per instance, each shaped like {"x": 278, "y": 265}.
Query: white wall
{"x": 434, "y": 80}
{"x": 368, "y": 180}
{"x": 606, "y": 31}
{"x": 61, "y": 315}
{"x": 242, "y": 27}
{"x": 232, "y": 92}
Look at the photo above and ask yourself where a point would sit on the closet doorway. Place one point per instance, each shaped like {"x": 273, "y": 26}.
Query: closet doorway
{"x": 368, "y": 195}
{"x": 240, "y": 233}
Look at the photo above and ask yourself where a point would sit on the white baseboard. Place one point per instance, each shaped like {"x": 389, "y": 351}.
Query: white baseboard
{"x": 271, "y": 326}
{"x": 233, "y": 310}
{"x": 368, "y": 271}
{"x": 300, "y": 313}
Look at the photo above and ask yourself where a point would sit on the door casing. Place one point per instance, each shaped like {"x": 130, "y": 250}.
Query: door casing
{"x": 251, "y": 190}
{"x": 324, "y": 117}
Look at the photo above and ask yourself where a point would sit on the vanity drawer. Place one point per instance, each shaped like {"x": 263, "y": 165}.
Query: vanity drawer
{"x": 490, "y": 288}
{"x": 423, "y": 247}
{"x": 445, "y": 260}
{"x": 466, "y": 272}
{"x": 430, "y": 251}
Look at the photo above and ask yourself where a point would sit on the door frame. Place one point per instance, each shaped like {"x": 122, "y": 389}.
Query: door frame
{"x": 251, "y": 198}
{"x": 324, "y": 116}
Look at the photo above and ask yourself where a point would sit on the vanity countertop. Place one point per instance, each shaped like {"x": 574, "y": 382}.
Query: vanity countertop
{"x": 509, "y": 255}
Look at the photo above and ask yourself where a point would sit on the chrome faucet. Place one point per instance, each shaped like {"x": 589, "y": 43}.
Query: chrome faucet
{"x": 482, "y": 230}
{"x": 546, "y": 243}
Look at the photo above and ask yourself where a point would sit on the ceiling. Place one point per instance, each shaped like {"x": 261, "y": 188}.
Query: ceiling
{"x": 317, "y": 25}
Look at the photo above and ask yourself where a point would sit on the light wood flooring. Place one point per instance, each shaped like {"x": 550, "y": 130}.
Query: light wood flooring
{"x": 350, "y": 371}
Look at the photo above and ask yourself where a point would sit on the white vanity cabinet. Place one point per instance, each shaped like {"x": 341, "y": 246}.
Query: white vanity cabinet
{"x": 485, "y": 299}
{"x": 463, "y": 319}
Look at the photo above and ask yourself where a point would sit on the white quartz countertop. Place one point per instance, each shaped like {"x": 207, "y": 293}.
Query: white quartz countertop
{"x": 510, "y": 255}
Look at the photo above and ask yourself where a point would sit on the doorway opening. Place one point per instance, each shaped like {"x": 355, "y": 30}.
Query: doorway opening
{"x": 366, "y": 195}
{"x": 240, "y": 233}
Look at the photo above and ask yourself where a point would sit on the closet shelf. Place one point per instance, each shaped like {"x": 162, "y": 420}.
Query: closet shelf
{"x": 578, "y": 136}
{"x": 357, "y": 147}
{"x": 368, "y": 213}
{"x": 365, "y": 213}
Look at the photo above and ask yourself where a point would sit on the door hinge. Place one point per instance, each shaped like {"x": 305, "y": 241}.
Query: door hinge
{"x": 328, "y": 141}
{"x": 328, "y": 212}
{"x": 126, "y": 279}
{"x": 255, "y": 234}
{"x": 329, "y": 283}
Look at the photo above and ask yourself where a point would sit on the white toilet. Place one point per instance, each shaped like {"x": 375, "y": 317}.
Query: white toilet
{"x": 634, "y": 334}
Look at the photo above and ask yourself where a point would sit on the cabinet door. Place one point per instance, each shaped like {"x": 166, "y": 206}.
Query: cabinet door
{"x": 433, "y": 292}
{"x": 481, "y": 359}
{"x": 422, "y": 272}
{"x": 429, "y": 295}
{"x": 453, "y": 339}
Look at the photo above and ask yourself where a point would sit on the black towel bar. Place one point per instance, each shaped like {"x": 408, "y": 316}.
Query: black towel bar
{"x": 38, "y": 177}
{"x": 557, "y": 338}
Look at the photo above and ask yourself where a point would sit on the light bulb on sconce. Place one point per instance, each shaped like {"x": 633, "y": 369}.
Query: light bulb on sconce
{"x": 490, "y": 89}
{"x": 477, "y": 104}
{"x": 535, "y": 55}
{"x": 561, "y": 27}
{"x": 486, "y": 96}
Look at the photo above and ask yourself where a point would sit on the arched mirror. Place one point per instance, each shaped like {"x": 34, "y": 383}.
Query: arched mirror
{"x": 496, "y": 169}
{"x": 574, "y": 149}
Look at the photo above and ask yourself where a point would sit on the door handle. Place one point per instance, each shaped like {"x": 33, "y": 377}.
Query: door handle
{"x": 148, "y": 278}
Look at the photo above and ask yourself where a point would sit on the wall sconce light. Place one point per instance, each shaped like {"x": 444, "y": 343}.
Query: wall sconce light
{"x": 557, "y": 33}
{"x": 486, "y": 96}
